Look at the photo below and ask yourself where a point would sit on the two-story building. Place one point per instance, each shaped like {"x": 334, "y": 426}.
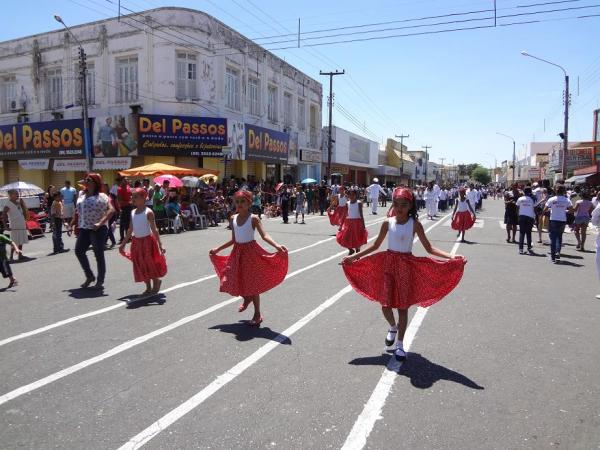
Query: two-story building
{"x": 171, "y": 85}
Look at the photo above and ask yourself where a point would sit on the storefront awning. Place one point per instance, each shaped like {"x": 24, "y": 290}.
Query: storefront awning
{"x": 577, "y": 179}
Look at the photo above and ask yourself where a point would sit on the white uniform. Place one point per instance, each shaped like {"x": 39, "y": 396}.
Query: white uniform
{"x": 374, "y": 191}
{"x": 436, "y": 191}
{"x": 430, "y": 202}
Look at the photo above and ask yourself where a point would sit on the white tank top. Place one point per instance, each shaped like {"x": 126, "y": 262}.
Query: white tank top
{"x": 462, "y": 206}
{"x": 353, "y": 211}
{"x": 342, "y": 200}
{"x": 243, "y": 233}
{"x": 141, "y": 225}
{"x": 400, "y": 237}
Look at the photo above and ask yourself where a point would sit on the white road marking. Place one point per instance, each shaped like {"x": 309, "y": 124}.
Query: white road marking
{"x": 174, "y": 415}
{"x": 357, "y": 438}
{"x": 141, "y": 339}
{"x": 222, "y": 380}
{"x": 164, "y": 291}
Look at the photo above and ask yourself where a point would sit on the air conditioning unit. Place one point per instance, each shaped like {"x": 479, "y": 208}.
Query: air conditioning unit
{"x": 13, "y": 106}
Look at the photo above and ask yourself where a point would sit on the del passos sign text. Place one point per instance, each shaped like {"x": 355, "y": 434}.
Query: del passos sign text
{"x": 54, "y": 139}
{"x": 266, "y": 145}
{"x": 181, "y": 135}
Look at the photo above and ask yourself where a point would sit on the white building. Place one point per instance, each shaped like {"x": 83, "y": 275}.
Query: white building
{"x": 352, "y": 155}
{"x": 166, "y": 62}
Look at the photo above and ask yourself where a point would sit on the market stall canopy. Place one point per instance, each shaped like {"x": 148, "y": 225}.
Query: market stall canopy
{"x": 24, "y": 189}
{"x": 157, "y": 169}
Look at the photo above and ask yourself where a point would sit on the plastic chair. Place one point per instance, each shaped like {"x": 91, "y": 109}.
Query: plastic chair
{"x": 199, "y": 219}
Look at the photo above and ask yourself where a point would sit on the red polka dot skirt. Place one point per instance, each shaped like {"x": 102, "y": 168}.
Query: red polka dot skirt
{"x": 249, "y": 269}
{"x": 400, "y": 280}
{"x": 353, "y": 234}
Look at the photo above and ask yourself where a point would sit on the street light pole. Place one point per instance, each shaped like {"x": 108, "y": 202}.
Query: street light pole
{"x": 402, "y": 136}
{"x": 330, "y": 103}
{"x": 567, "y": 101}
{"x": 514, "y": 155}
{"x": 84, "y": 99}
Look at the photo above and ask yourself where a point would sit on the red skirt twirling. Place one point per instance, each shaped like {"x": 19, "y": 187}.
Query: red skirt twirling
{"x": 353, "y": 234}
{"x": 249, "y": 269}
{"x": 463, "y": 221}
{"x": 337, "y": 216}
{"x": 148, "y": 262}
{"x": 399, "y": 280}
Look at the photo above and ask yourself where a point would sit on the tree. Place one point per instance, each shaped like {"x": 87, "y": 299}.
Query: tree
{"x": 481, "y": 175}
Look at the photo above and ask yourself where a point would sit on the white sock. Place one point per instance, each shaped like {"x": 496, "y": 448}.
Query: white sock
{"x": 399, "y": 344}
{"x": 394, "y": 328}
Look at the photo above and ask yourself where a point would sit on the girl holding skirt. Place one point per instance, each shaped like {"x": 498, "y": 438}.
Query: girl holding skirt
{"x": 249, "y": 270}
{"x": 463, "y": 216}
{"x": 341, "y": 208}
{"x": 353, "y": 233}
{"x": 147, "y": 252}
{"x": 396, "y": 278}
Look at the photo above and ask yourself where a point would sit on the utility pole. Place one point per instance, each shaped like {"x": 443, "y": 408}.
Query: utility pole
{"x": 442, "y": 168}
{"x": 84, "y": 105}
{"x": 426, "y": 147}
{"x": 402, "y": 136}
{"x": 84, "y": 99}
{"x": 330, "y": 104}
{"x": 566, "y": 130}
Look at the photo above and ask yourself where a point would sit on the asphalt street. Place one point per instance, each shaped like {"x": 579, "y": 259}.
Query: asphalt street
{"x": 508, "y": 360}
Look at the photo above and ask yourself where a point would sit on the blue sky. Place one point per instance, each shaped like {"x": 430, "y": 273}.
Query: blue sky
{"x": 452, "y": 91}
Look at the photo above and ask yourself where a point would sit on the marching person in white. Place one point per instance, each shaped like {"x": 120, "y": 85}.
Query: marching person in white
{"x": 430, "y": 200}
{"x": 374, "y": 191}
{"x": 436, "y": 192}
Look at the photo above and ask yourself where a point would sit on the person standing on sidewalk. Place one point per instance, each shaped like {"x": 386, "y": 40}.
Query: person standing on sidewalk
{"x": 69, "y": 197}
{"x": 57, "y": 213}
{"x": 125, "y": 206}
{"x": 558, "y": 205}
{"x": 525, "y": 205}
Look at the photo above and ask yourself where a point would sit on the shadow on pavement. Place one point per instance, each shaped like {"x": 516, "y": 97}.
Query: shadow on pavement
{"x": 135, "y": 301}
{"x": 81, "y": 293}
{"x": 244, "y": 332}
{"x": 567, "y": 263}
{"x": 562, "y": 255}
{"x": 422, "y": 373}
{"x": 24, "y": 259}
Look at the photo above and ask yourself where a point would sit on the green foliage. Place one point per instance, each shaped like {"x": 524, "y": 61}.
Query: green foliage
{"x": 481, "y": 174}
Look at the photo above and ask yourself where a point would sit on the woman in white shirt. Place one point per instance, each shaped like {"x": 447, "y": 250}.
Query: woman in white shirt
{"x": 559, "y": 206}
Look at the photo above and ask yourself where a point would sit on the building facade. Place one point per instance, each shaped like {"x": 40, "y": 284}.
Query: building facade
{"x": 354, "y": 157}
{"x": 396, "y": 166}
{"x": 171, "y": 85}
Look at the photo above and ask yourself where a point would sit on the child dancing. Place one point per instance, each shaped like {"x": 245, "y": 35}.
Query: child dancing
{"x": 147, "y": 252}
{"x": 249, "y": 270}
{"x": 398, "y": 279}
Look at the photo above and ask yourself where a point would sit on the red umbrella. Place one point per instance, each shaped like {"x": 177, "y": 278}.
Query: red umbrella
{"x": 278, "y": 186}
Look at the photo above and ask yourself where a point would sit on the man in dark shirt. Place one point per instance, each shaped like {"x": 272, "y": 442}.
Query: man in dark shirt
{"x": 284, "y": 198}
{"x": 322, "y": 197}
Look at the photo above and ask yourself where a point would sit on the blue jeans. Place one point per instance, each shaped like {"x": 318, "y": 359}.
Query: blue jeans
{"x": 97, "y": 240}
{"x": 556, "y": 230}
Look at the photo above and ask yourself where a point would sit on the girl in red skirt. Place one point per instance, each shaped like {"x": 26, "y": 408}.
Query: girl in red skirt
{"x": 397, "y": 279}
{"x": 339, "y": 208}
{"x": 353, "y": 233}
{"x": 147, "y": 252}
{"x": 249, "y": 270}
{"x": 463, "y": 217}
